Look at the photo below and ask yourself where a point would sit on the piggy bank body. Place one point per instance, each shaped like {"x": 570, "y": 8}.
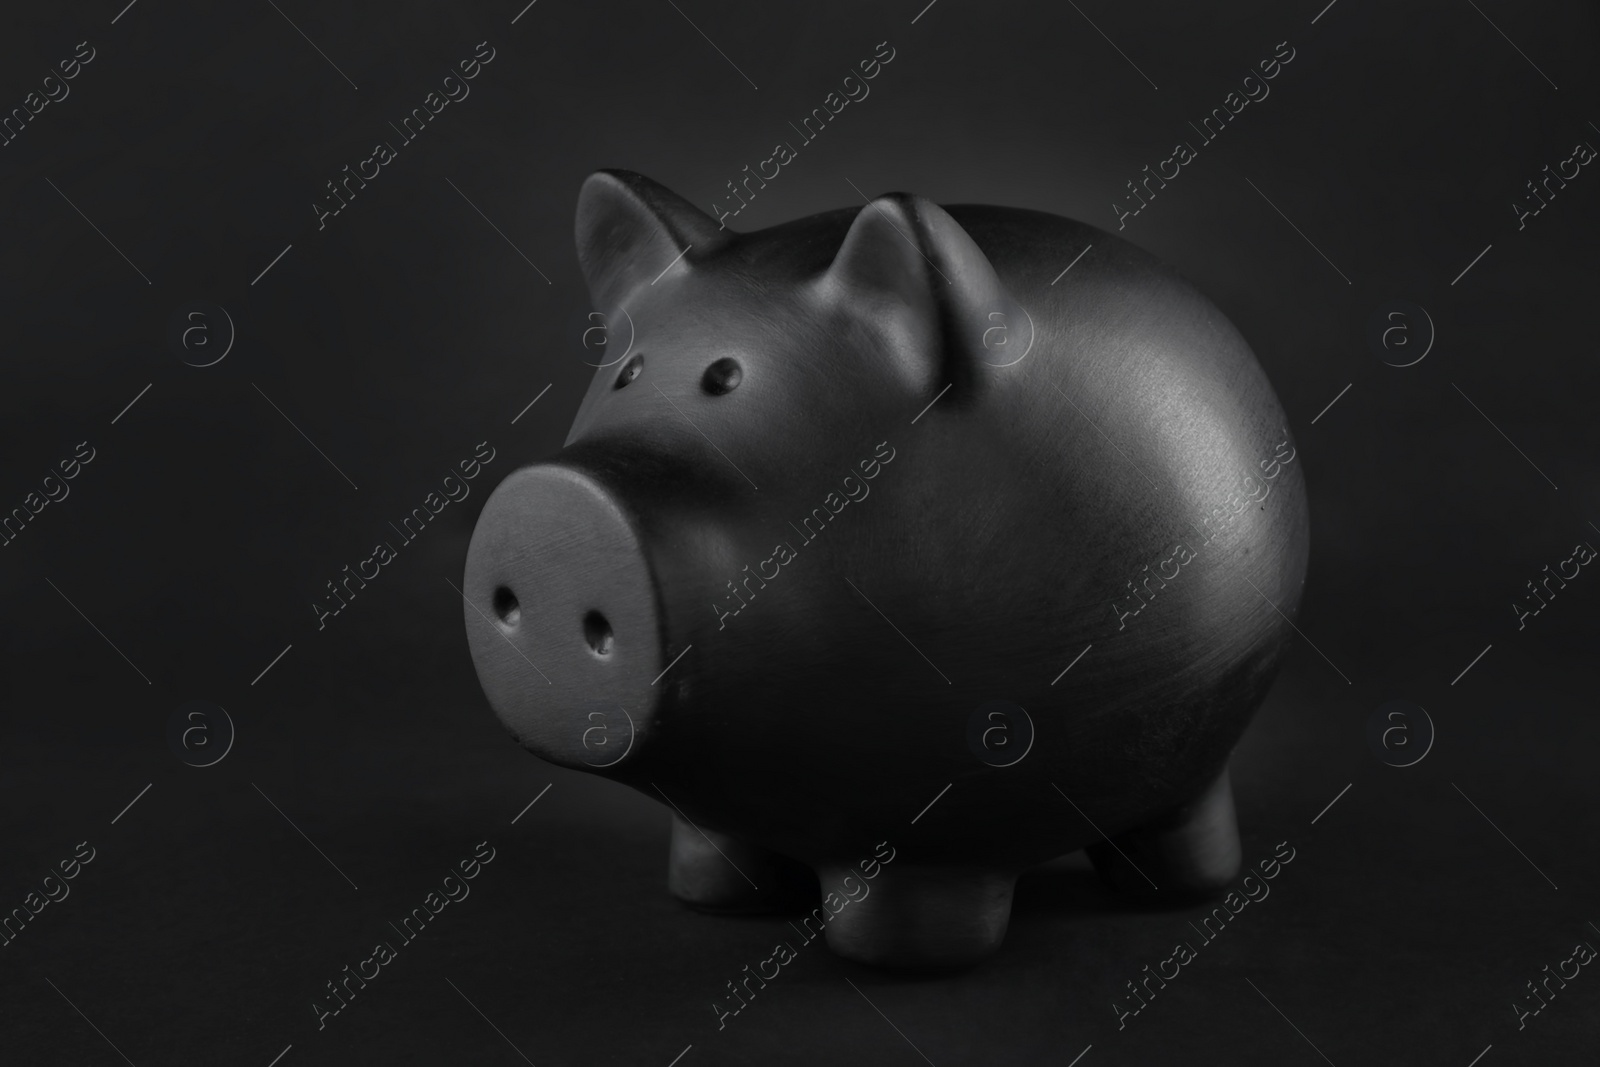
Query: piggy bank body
{"x": 885, "y": 546}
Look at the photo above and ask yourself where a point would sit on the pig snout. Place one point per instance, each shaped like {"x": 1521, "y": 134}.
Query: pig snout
{"x": 562, "y": 618}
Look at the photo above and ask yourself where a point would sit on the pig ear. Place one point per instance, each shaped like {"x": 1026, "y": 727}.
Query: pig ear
{"x": 630, "y": 229}
{"x": 906, "y": 253}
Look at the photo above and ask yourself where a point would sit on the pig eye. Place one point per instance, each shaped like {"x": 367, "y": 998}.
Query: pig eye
{"x": 722, "y": 377}
{"x": 630, "y": 370}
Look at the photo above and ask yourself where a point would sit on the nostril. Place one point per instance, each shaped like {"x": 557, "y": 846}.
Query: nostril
{"x": 506, "y": 606}
{"x": 630, "y": 370}
{"x": 597, "y": 631}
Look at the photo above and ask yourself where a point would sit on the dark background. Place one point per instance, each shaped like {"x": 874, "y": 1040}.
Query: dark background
{"x": 409, "y": 330}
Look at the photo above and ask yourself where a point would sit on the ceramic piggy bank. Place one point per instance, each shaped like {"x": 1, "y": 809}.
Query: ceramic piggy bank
{"x": 912, "y": 545}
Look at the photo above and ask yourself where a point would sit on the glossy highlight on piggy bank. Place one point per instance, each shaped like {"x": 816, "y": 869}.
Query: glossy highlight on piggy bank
{"x": 1033, "y": 471}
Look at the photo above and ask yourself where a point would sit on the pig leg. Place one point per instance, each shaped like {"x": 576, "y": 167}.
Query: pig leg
{"x": 919, "y": 917}
{"x": 713, "y": 871}
{"x": 1191, "y": 850}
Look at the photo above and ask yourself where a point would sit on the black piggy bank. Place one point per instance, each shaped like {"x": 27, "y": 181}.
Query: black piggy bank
{"x": 957, "y": 538}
